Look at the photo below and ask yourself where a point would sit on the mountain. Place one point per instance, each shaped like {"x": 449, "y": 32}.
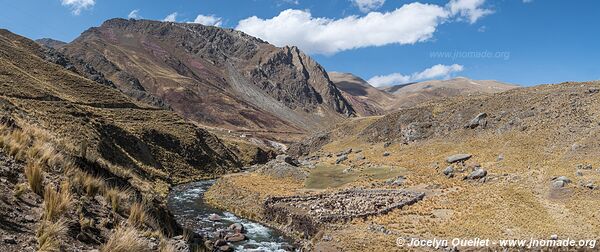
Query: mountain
{"x": 75, "y": 153}
{"x": 51, "y": 43}
{"x": 411, "y": 94}
{"x": 217, "y": 77}
{"x": 364, "y": 98}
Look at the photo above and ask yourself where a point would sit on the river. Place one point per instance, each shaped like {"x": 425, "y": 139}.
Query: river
{"x": 187, "y": 204}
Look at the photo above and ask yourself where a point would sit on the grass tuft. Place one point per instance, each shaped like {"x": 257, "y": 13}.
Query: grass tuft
{"x": 137, "y": 215}
{"x": 50, "y": 235}
{"x": 56, "y": 202}
{"x": 125, "y": 240}
{"x": 35, "y": 177}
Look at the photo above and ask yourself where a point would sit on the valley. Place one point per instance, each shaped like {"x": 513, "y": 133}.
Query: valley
{"x": 145, "y": 135}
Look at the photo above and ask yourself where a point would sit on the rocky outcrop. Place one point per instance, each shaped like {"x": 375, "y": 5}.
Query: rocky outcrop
{"x": 215, "y": 76}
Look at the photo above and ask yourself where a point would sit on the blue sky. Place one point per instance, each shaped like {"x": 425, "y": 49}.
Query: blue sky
{"x": 384, "y": 41}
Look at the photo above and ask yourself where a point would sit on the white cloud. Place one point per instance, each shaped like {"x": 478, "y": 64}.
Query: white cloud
{"x": 409, "y": 24}
{"x": 434, "y": 72}
{"x": 78, "y": 5}
{"x": 368, "y": 5}
{"x": 208, "y": 20}
{"x": 134, "y": 14}
{"x": 470, "y": 9}
{"x": 171, "y": 17}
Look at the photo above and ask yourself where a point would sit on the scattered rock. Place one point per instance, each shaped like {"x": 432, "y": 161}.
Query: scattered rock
{"x": 554, "y": 237}
{"x": 479, "y": 120}
{"x": 327, "y": 238}
{"x": 590, "y": 186}
{"x": 358, "y": 151}
{"x": 458, "y": 158}
{"x": 341, "y": 159}
{"x": 559, "y": 184}
{"x": 236, "y": 237}
{"x": 387, "y": 144}
{"x": 224, "y": 248}
{"x": 449, "y": 171}
{"x": 584, "y": 167}
{"x": 9, "y": 239}
{"x": 385, "y": 154}
{"x": 396, "y": 182}
{"x": 562, "y": 178}
{"x": 500, "y": 157}
{"x": 285, "y": 159}
{"x": 237, "y": 227}
{"x": 344, "y": 153}
{"x": 477, "y": 174}
{"x": 578, "y": 173}
{"x": 360, "y": 157}
{"x": 347, "y": 170}
{"x": 214, "y": 217}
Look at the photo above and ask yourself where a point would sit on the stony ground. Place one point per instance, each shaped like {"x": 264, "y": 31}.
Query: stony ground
{"x": 533, "y": 170}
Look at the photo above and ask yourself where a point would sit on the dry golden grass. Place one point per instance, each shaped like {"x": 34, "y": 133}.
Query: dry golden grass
{"x": 35, "y": 177}
{"x": 114, "y": 197}
{"x": 90, "y": 184}
{"x": 20, "y": 189}
{"x": 165, "y": 246}
{"x": 50, "y": 235}
{"x": 56, "y": 202}
{"x": 125, "y": 239}
{"x": 137, "y": 215}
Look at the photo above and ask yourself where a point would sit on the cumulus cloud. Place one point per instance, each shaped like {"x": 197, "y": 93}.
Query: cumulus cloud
{"x": 470, "y": 9}
{"x": 171, "y": 17}
{"x": 368, "y": 5}
{"x": 208, "y": 20}
{"x": 78, "y": 5}
{"x": 409, "y": 24}
{"x": 134, "y": 14}
{"x": 434, "y": 72}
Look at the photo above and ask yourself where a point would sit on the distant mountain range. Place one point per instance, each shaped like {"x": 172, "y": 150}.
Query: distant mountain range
{"x": 368, "y": 100}
{"x": 222, "y": 78}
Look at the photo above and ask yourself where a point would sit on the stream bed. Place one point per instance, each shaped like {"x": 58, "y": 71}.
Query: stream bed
{"x": 186, "y": 202}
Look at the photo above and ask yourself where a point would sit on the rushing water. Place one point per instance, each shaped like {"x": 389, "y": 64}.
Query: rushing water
{"x": 187, "y": 204}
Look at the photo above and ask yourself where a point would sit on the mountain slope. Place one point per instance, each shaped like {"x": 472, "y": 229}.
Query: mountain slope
{"x": 408, "y": 95}
{"x": 215, "y": 76}
{"x": 364, "y": 98}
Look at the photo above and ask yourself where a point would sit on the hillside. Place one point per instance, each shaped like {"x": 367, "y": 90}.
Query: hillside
{"x": 364, "y": 98}
{"x": 217, "y": 77}
{"x": 408, "y": 95}
{"x": 93, "y": 158}
{"x": 519, "y": 164}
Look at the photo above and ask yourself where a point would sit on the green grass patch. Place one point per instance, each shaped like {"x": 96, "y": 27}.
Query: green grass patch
{"x": 332, "y": 176}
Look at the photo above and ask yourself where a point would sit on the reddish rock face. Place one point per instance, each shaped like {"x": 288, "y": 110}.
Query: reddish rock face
{"x": 218, "y": 77}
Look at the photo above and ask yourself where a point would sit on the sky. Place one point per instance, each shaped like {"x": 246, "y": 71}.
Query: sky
{"x": 386, "y": 42}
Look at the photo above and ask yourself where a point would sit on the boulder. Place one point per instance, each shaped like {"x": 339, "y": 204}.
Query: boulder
{"x": 285, "y": 159}
{"x": 387, "y": 144}
{"x": 236, "y": 237}
{"x": 479, "y": 120}
{"x": 562, "y": 178}
{"x": 237, "y": 227}
{"x": 214, "y": 217}
{"x": 477, "y": 174}
{"x": 341, "y": 159}
{"x": 385, "y": 154}
{"x": 558, "y": 184}
{"x": 458, "y": 158}
{"x": 360, "y": 157}
{"x": 449, "y": 171}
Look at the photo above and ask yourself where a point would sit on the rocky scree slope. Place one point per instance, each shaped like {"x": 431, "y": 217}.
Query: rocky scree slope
{"x": 218, "y": 77}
